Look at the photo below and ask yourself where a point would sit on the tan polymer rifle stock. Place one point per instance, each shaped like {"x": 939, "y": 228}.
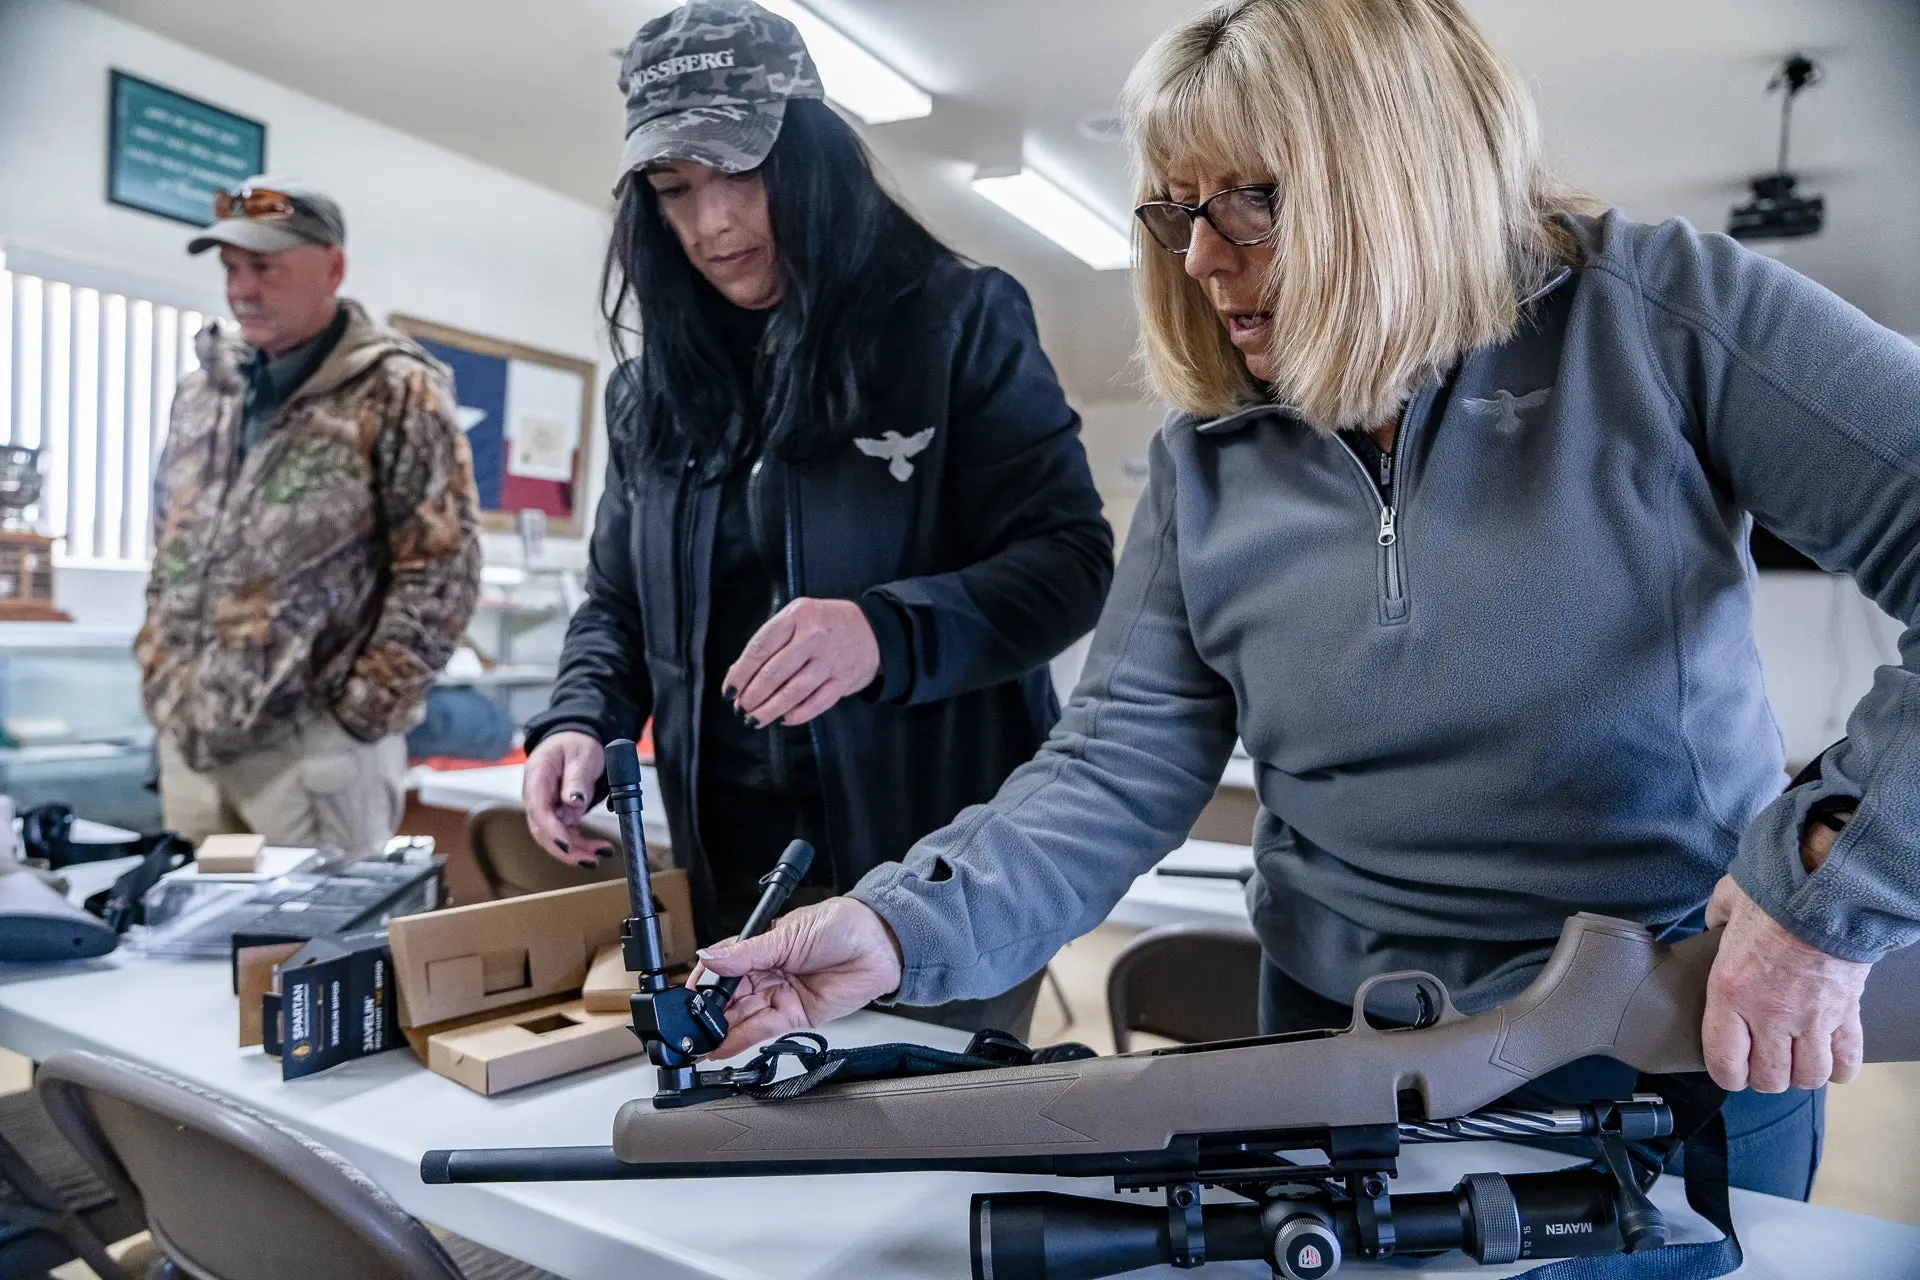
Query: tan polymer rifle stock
{"x": 1222, "y": 1115}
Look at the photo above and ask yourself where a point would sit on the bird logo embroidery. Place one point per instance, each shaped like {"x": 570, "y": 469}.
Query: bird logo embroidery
{"x": 897, "y": 449}
{"x": 1505, "y": 408}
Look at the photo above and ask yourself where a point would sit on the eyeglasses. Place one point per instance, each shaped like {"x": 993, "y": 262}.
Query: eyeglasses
{"x": 254, "y": 202}
{"x": 1242, "y": 216}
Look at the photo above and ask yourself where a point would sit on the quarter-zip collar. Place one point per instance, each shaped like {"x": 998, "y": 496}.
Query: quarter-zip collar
{"x": 1247, "y": 414}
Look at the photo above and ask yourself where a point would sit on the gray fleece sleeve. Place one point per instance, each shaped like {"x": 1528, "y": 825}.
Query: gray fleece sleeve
{"x": 1809, "y": 412}
{"x": 986, "y": 901}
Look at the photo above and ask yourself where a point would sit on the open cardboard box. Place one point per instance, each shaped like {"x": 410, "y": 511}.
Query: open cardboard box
{"x": 543, "y": 1042}
{"x": 469, "y": 967}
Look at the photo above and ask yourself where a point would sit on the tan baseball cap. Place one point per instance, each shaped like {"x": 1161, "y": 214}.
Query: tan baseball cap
{"x": 289, "y": 213}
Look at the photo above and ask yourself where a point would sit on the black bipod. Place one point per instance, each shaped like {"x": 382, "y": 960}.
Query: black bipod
{"x": 680, "y": 1024}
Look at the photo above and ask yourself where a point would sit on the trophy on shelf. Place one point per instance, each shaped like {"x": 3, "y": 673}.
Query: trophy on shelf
{"x": 26, "y": 554}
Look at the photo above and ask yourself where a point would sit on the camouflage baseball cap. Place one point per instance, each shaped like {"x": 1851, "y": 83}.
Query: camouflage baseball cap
{"x": 710, "y": 82}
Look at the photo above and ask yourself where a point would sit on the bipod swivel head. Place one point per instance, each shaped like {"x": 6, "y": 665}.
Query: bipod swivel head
{"x": 680, "y": 1024}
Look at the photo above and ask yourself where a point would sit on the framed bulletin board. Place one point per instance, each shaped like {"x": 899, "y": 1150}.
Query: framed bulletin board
{"x": 528, "y": 416}
{"x": 167, "y": 154}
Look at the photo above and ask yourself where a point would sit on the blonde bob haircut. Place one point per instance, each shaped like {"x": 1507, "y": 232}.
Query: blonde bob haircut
{"x": 1413, "y": 211}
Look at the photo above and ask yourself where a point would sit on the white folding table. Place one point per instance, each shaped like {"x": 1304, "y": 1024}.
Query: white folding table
{"x": 383, "y": 1112}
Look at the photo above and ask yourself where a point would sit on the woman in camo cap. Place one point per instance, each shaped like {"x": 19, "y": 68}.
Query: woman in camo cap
{"x": 847, "y": 518}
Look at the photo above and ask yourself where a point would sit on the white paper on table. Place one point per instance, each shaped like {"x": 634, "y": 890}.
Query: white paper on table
{"x": 543, "y": 420}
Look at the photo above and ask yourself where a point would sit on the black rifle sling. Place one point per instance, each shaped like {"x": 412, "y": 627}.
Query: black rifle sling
{"x": 1696, "y": 1102}
{"x": 819, "y": 1064}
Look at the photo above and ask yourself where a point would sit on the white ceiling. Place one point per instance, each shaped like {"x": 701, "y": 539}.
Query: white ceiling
{"x": 1656, "y": 105}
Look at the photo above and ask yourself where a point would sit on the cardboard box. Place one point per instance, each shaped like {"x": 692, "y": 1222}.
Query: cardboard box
{"x": 609, "y": 987}
{"x": 552, "y": 1040}
{"x": 335, "y": 1004}
{"x": 259, "y": 978}
{"x": 229, "y": 855}
{"x": 274, "y": 861}
{"x": 418, "y": 1038}
{"x": 485, "y": 957}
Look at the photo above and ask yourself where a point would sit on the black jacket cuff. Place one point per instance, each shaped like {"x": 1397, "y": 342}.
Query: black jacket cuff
{"x": 547, "y": 723}
{"x": 895, "y": 680}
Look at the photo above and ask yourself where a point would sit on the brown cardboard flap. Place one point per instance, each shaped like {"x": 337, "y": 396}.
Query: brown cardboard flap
{"x": 491, "y": 955}
{"x": 256, "y": 967}
{"x": 609, "y": 987}
{"x": 673, "y": 899}
{"x": 418, "y": 1037}
{"x": 538, "y": 1044}
{"x": 541, "y": 942}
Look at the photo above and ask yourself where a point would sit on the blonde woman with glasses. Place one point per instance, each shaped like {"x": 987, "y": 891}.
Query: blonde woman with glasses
{"x": 1449, "y": 526}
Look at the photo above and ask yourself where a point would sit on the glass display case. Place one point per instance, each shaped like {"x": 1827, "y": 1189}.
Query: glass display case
{"x": 72, "y": 729}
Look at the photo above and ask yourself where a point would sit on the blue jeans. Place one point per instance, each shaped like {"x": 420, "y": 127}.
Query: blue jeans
{"x": 1773, "y": 1139}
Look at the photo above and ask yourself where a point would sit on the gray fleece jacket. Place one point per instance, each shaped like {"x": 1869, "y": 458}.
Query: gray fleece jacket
{"x": 1532, "y": 689}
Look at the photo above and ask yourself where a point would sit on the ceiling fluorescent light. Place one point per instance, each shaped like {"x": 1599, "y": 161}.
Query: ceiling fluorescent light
{"x": 854, "y": 78}
{"x": 1059, "y": 217}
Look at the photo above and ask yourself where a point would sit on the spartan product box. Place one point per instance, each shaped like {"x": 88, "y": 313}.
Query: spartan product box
{"x": 336, "y": 1003}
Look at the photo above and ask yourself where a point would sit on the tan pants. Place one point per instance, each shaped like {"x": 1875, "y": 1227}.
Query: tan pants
{"x": 321, "y": 786}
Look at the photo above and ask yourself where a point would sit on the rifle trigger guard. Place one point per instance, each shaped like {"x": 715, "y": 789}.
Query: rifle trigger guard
{"x": 1436, "y": 1004}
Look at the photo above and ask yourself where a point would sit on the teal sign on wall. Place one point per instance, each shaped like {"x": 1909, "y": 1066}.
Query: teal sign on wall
{"x": 168, "y": 153}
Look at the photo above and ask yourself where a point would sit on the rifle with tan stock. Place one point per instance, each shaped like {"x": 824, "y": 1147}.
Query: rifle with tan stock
{"x": 1237, "y": 1115}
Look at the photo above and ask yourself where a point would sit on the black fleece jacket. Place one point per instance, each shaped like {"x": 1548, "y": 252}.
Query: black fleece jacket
{"x": 964, "y": 519}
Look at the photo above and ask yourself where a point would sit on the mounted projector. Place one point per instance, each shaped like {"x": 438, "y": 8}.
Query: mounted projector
{"x": 1776, "y": 211}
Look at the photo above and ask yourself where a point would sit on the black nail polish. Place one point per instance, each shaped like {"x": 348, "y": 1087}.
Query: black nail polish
{"x": 752, "y": 723}
{"x": 729, "y": 693}
{"x": 562, "y": 846}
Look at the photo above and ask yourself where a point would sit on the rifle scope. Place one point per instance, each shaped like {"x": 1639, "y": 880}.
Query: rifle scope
{"x": 1041, "y": 1235}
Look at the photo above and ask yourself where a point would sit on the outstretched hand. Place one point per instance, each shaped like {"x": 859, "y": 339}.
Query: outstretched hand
{"x": 814, "y": 965}
{"x": 557, "y": 789}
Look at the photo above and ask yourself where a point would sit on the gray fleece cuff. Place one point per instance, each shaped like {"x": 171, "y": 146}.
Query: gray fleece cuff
{"x": 1838, "y": 908}
{"x": 912, "y": 923}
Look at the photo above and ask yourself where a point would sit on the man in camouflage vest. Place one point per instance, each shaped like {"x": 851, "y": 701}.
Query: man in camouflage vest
{"x": 316, "y": 545}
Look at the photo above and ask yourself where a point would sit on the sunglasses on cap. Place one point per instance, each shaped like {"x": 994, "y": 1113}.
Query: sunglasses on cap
{"x": 1242, "y": 216}
{"x": 257, "y": 202}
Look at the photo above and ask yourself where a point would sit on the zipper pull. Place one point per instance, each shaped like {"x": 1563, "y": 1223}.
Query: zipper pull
{"x": 1387, "y": 534}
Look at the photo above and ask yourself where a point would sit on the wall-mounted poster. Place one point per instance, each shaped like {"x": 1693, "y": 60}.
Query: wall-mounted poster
{"x": 526, "y": 413}
{"x": 169, "y": 154}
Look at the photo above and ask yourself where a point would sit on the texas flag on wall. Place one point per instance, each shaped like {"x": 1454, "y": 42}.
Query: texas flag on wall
{"x": 522, "y": 421}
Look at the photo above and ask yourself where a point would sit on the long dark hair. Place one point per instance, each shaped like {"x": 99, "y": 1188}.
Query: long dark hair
{"x": 848, "y": 252}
